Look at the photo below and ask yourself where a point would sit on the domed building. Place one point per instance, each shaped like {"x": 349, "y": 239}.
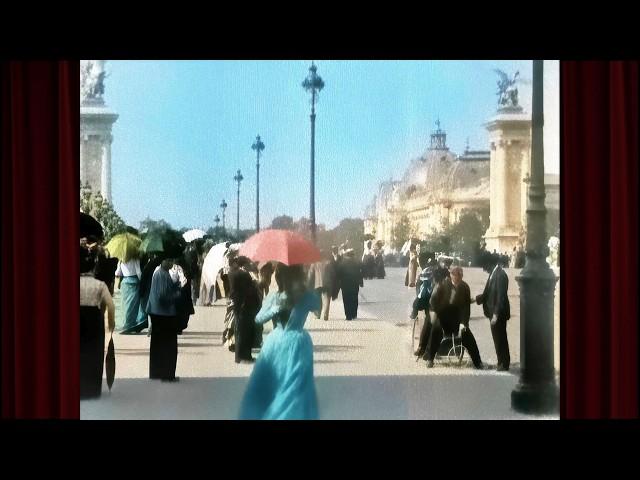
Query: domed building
{"x": 439, "y": 187}
{"x": 435, "y": 190}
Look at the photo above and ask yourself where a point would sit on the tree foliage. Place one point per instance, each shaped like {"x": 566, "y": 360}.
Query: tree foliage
{"x": 402, "y": 231}
{"x": 100, "y": 209}
{"x": 283, "y": 222}
{"x": 463, "y": 238}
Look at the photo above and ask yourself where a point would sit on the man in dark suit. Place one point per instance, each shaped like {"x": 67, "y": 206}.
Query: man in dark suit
{"x": 495, "y": 304}
{"x": 350, "y": 278}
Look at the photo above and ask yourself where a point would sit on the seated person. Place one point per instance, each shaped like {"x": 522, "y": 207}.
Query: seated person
{"x": 451, "y": 300}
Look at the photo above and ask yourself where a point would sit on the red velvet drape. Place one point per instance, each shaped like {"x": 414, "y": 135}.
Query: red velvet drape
{"x": 40, "y": 289}
{"x": 600, "y": 239}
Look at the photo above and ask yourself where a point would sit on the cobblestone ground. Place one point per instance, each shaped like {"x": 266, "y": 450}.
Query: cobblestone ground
{"x": 364, "y": 369}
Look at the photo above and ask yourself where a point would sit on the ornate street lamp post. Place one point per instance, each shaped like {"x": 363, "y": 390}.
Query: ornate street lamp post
{"x": 238, "y": 178}
{"x": 536, "y": 391}
{"x": 313, "y": 83}
{"x": 223, "y": 206}
{"x": 258, "y": 146}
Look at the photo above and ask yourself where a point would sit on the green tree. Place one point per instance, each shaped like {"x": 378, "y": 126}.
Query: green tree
{"x": 467, "y": 233}
{"x": 150, "y": 225}
{"x": 402, "y": 231}
{"x": 283, "y": 222}
{"x": 100, "y": 209}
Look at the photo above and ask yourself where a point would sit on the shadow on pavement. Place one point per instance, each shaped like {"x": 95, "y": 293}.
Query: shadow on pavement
{"x": 482, "y": 396}
{"x": 338, "y": 330}
{"x": 335, "y": 348}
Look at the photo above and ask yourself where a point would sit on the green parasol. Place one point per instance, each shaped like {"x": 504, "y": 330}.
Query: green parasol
{"x": 124, "y": 246}
{"x": 168, "y": 242}
{"x": 152, "y": 243}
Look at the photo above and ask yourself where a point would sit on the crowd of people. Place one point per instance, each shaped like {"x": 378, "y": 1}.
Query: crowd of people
{"x": 156, "y": 294}
{"x": 445, "y": 300}
{"x": 159, "y": 292}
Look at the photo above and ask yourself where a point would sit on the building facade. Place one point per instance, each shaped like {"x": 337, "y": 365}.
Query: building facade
{"x": 439, "y": 187}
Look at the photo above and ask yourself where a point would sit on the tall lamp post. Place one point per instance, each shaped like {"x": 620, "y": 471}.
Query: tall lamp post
{"x": 258, "y": 146}
{"x": 238, "y": 178}
{"x": 216, "y": 220}
{"x": 313, "y": 83}
{"x": 536, "y": 391}
{"x": 223, "y": 206}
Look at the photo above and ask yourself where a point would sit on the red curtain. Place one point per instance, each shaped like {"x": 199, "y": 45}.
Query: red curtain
{"x": 40, "y": 289}
{"x": 599, "y": 309}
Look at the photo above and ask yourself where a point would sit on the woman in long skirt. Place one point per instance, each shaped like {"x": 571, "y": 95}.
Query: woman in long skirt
{"x": 245, "y": 297}
{"x": 281, "y": 385}
{"x": 94, "y": 300}
{"x": 163, "y": 296}
{"x": 129, "y": 275}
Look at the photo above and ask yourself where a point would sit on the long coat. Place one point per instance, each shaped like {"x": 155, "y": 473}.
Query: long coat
{"x": 494, "y": 298}
{"x": 323, "y": 275}
{"x": 350, "y": 274}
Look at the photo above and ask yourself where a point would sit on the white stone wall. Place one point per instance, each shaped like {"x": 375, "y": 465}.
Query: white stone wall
{"x": 95, "y": 148}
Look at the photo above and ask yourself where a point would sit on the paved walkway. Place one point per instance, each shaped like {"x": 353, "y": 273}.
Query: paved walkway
{"x": 364, "y": 369}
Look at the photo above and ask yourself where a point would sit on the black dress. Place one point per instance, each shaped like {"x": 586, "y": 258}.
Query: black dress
{"x": 246, "y": 300}
{"x": 91, "y": 351}
{"x": 93, "y": 295}
{"x": 350, "y": 274}
{"x": 163, "y": 352}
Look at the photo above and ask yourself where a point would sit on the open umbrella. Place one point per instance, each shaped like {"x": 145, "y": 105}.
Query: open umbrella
{"x": 282, "y": 246}
{"x": 90, "y": 227}
{"x": 152, "y": 243}
{"x": 213, "y": 263}
{"x": 124, "y": 246}
{"x": 168, "y": 242}
{"x": 110, "y": 363}
{"x": 193, "y": 234}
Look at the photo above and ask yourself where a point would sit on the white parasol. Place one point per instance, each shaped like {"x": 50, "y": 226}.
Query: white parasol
{"x": 193, "y": 234}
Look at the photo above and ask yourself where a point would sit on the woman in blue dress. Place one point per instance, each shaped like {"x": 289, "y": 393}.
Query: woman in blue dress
{"x": 281, "y": 386}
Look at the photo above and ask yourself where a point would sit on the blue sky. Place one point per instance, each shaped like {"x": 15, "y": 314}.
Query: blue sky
{"x": 186, "y": 127}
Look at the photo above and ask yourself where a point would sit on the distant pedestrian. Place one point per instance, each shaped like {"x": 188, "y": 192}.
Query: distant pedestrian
{"x": 379, "y": 262}
{"x": 246, "y": 302}
{"x": 424, "y": 287}
{"x": 368, "y": 261}
{"x": 322, "y": 278}
{"x": 145, "y": 286}
{"x": 182, "y": 273}
{"x": 350, "y": 277}
{"x": 412, "y": 268}
{"x": 129, "y": 275}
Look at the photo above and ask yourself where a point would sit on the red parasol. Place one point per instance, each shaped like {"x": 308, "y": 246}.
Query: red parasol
{"x": 282, "y": 246}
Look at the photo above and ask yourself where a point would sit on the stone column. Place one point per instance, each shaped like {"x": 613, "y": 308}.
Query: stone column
{"x": 106, "y": 166}
{"x": 509, "y": 132}
{"x": 107, "y": 147}
{"x": 96, "y": 121}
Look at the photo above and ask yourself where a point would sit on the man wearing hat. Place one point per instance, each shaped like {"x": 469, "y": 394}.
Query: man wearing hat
{"x": 350, "y": 278}
{"x": 495, "y": 304}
